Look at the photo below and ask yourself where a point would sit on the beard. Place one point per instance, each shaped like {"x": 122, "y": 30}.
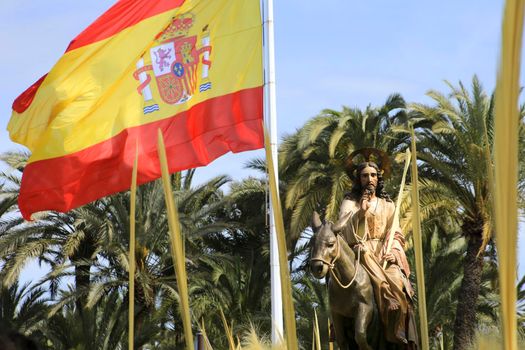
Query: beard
{"x": 369, "y": 189}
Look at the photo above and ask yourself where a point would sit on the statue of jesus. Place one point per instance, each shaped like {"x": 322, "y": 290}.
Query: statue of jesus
{"x": 370, "y": 215}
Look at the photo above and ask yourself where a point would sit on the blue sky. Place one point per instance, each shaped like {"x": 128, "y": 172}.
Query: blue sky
{"x": 351, "y": 53}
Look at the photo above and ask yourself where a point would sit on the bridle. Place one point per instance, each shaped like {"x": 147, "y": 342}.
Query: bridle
{"x": 331, "y": 264}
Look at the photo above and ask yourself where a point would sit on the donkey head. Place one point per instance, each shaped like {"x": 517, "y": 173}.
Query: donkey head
{"x": 323, "y": 246}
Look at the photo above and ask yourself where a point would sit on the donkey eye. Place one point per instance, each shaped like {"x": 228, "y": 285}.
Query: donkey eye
{"x": 331, "y": 244}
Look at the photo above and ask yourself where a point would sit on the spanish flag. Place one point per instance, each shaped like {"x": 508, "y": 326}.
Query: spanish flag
{"x": 192, "y": 69}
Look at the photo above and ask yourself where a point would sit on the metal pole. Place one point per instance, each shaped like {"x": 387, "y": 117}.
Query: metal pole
{"x": 270, "y": 116}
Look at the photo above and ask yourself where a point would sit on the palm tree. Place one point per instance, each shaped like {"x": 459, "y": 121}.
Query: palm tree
{"x": 54, "y": 238}
{"x": 154, "y": 279}
{"x": 312, "y": 160}
{"x": 100, "y": 327}
{"x": 443, "y": 258}
{"x": 521, "y": 306}
{"x": 225, "y": 283}
{"x": 443, "y": 252}
{"x": 23, "y": 310}
{"x": 91, "y": 243}
{"x": 310, "y": 295}
{"x": 455, "y": 154}
{"x": 234, "y": 274}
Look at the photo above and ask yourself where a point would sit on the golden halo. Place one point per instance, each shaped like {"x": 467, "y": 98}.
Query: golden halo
{"x": 373, "y": 155}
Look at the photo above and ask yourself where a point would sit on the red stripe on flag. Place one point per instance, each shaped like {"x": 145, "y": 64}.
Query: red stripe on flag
{"x": 23, "y": 101}
{"x": 193, "y": 138}
{"x": 122, "y": 15}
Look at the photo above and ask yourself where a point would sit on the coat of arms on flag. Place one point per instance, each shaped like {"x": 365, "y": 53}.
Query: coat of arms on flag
{"x": 175, "y": 59}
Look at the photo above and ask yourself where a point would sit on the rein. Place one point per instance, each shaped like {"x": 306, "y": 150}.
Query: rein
{"x": 331, "y": 264}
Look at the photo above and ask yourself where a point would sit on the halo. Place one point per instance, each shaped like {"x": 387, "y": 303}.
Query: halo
{"x": 367, "y": 155}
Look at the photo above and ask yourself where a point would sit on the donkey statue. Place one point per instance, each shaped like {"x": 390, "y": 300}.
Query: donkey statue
{"x": 353, "y": 309}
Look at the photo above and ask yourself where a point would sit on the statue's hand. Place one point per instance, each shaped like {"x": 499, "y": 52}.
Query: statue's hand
{"x": 364, "y": 204}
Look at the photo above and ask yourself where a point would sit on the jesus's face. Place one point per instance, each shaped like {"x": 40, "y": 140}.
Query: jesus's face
{"x": 368, "y": 178}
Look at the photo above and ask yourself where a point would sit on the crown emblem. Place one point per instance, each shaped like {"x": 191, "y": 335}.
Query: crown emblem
{"x": 179, "y": 26}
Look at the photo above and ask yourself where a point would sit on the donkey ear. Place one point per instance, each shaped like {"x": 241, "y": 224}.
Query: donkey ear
{"x": 316, "y": 221}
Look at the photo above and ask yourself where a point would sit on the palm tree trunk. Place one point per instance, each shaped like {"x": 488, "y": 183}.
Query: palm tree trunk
{"x": 81, "y": 282}
{"x": 465, "y": 323}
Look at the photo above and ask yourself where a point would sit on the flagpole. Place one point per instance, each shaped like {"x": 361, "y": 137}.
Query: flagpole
{"x": 131, "y": 259}
{"x": 270, "y": 117}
